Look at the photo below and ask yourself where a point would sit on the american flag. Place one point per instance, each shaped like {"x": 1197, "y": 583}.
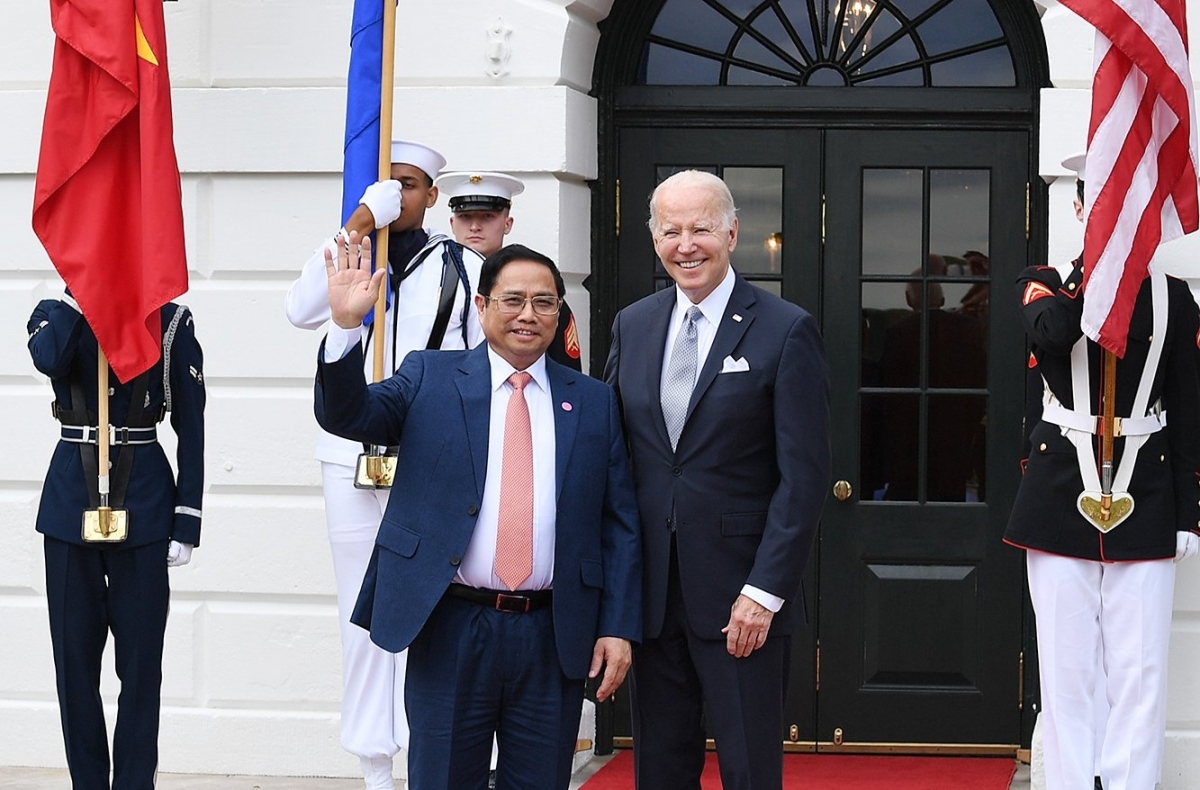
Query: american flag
{"x": 1140, "y": 188}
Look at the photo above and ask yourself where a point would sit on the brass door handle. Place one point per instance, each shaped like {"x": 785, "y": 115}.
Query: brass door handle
{"x": 842, "y": 490}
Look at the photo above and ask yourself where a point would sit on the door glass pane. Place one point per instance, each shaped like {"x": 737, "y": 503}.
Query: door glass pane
{"x": 959, "y": 208}
{"x": 883, "y": 306}
{"x": 956, "y": 448}
{"x": 758, "y": 194}
{"x": 890, "y": 440}
{"x": 891, "y": 221}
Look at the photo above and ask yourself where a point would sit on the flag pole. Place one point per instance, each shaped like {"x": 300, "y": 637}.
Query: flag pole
{"x": 375, "y": 469}
{"x": 385, "y": 172}
{"x": 105, "y": 512}
{"x": 1108, "y": 420}
{"x": 103, "y": 524}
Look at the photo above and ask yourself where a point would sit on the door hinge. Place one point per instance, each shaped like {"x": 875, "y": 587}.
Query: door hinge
{"x": 818, "y": 688}
{"x": 1021, "y": 680}
{"x": 617, "y": 225}
{"x": 1027, "y": 189}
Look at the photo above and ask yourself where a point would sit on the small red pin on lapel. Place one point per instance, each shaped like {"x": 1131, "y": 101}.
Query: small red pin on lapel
{"x": 566, "y": 406}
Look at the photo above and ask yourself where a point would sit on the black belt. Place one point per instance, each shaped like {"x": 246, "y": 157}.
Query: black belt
{"x": 117, "y": 434}
{"x": 516, "y": 602}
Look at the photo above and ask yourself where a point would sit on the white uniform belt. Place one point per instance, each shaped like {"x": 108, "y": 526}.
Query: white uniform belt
{"x": 89, "y": 434}
{"x": 1090, "y": 423}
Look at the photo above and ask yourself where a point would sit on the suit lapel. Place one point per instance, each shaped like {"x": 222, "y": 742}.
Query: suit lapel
{"x": 654, "y": 348}
{"x": 474, "y": 388}
{"x": 566, "y": 421}
{"x": 729, "y": 334}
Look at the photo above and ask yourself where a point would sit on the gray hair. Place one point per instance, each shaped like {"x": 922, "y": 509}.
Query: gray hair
{"x": 697, "y": 178}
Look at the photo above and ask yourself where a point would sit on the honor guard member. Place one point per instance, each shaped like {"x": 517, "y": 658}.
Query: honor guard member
{"x": 480, "y": 218}
{"x": 430, "y": 279}
{"x": 96, "y": 587}
{"x": 1105, "y": 587}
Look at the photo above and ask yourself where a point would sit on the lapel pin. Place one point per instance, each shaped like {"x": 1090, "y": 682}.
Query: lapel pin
{"x": 566, "y": 406}
{"x": 736, "y": 317}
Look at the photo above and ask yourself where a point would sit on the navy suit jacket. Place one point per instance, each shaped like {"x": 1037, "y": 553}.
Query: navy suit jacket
{"x": 749, "y": 475}
{"x": 436, "y": 408}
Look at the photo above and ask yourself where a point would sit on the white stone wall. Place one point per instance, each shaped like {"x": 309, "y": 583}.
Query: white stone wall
{"x": 252, "y": 675}
{"x": 252, "y": 668}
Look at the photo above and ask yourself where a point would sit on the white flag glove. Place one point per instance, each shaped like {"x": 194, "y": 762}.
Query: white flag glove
{"x": 178, "y": 554}
{"x": 1186, "y": 545}
{"x": 382, "y": 199}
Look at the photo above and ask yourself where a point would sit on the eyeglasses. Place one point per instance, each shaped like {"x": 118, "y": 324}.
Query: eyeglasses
{"x": 511, "y": 304}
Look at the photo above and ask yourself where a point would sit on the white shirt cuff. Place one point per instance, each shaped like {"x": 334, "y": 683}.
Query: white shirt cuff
{"x": 338, "y": 341}
{"x": 772, "y": 602}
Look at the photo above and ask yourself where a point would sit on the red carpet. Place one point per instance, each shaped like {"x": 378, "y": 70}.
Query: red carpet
{"x": 847, "y": 772}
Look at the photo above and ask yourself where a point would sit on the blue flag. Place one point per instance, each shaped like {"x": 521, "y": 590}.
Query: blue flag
{"x": 360, "y": 165}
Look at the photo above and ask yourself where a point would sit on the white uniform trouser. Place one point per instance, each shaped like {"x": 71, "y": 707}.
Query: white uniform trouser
{"x": 373, "y": 720}
{"x": 1123, "y": 612}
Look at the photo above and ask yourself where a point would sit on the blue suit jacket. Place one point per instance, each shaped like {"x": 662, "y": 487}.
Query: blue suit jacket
{"x": 749, "y": 475}
{"x": 436, "y": 408}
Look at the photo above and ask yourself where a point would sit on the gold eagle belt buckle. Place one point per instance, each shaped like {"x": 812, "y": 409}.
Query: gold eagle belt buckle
{"x": 1092, "y": 506}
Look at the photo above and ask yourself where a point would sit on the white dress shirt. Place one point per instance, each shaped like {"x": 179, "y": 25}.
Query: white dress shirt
{"x": 476, "y": 569}
{"x": 713, "y": 308}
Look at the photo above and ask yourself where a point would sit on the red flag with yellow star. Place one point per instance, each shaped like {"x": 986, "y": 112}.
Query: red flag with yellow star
{"x": 108, "y": 205}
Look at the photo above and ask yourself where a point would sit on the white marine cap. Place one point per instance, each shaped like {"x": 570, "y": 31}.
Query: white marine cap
{"x": 407, "y": 152}
{"x": 478, "y": 190}
{"x": 1075, "y": 163}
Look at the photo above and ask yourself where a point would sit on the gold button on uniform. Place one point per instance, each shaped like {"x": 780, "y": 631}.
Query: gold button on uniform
{"x": 1070, "y": 286}
{"x": 1042, "y": 447}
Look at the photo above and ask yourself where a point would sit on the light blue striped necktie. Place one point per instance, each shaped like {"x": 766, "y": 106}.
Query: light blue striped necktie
{"x": 680, "y": 379}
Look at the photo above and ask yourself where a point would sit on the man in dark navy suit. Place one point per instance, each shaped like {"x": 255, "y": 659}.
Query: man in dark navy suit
{"x": 96, "y": 587}
{"x": 508, "y": 561}
{"x": 724, "y": 391}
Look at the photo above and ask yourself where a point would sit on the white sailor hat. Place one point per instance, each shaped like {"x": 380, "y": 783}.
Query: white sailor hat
{"x": 407, "y": 152}
{"x": 479, "y": 191}
{"x": 1075, "y": 163}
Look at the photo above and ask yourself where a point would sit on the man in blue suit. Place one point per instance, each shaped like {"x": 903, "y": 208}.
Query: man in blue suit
{"x": 509, "y": 559}
{"x": 724, "y": 392}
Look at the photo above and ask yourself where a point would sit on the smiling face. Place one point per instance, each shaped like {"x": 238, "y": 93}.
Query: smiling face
{"x": 519, "y": 339}
{"x": 692, "y": 237}
{"x": 482, "y": 231}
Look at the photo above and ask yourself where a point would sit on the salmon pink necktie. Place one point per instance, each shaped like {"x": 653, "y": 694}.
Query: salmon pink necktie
{"x": 514, "y": 528}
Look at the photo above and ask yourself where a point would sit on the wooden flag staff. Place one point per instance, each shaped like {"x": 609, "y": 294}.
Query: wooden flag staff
{"x": 1108, "y": 425}
{"x": 103, "y": 524}
{"x": 376, "y": 469}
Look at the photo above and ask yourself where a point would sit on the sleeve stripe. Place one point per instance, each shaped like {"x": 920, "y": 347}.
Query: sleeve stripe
{"x": 181, "y": 510}
{"x": 1035, "y": 291}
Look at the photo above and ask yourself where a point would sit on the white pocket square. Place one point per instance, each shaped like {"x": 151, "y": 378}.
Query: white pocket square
{"x": 731, "y": 365}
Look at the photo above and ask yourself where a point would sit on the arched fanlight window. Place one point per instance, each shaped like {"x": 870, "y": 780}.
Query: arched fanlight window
{"x": 930, "y": 43}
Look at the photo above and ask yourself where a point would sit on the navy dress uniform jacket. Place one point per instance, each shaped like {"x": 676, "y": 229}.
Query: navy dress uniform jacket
{"x": 1165, "y": 484}
{"x": 436, "y": 408}
{"x": 161, "y": 506}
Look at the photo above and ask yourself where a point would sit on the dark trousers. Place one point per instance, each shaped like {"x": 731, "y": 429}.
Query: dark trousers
{"x": 91, "y": 591}
{"x": 678, "y": 677}
{"x": 474, "y": 672}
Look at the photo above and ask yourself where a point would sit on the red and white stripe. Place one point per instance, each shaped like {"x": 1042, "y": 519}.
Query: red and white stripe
{"x": 1140, "y": 180}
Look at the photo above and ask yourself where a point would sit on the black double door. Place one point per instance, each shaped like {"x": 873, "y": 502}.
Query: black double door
{"x": 896, "y": 240}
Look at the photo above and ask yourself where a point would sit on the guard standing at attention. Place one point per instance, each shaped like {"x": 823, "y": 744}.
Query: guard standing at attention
{"x": 431, "y": 279}
{"x": 481, "y": 206}
{"x": 1102, "y": 585}
{"x": 96, "y": 585}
